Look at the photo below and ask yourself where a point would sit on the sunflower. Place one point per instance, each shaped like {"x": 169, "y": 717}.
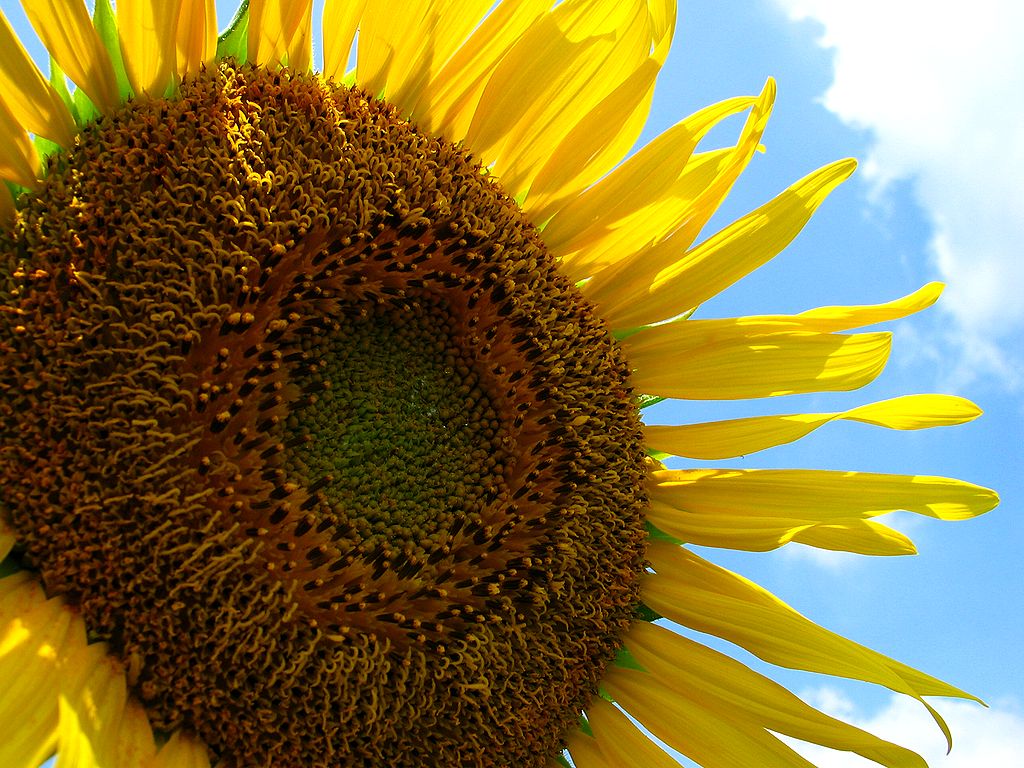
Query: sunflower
{"x": 320, "y": 396}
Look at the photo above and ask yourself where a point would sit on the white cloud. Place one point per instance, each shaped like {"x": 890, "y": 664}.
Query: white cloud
{"x": 982, "y": 738}
{"x": 938, "y": 86}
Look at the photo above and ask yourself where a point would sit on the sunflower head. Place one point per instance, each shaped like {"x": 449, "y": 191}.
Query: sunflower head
{"x": 320, "y": 437}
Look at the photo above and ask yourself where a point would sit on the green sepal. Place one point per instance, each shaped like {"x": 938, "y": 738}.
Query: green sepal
{"x": 624, "y": 333}
{"x": 654, "y": 534}
{"x": 585, "y": 726}
{"x": 560, "y": 759}
{"x": 234, "y": 42}
{"x": 46, "y": 149}
{"x": 659, "y": 455}
{"x": 626, "y": 660}
{"x": 16, "y": 190}
{"x": 106, "y": 26}
{"x": 8, "y": 567}
{"x": 647, "y": 614}
{"x": 60, "y": 85}
{"x": 645, "y": 401}
{"x": 87, "y": 111}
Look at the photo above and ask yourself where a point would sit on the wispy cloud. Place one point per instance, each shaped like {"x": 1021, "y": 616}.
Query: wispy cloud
{"x": 988, "y": 738}
{"x": 938, "y": 89}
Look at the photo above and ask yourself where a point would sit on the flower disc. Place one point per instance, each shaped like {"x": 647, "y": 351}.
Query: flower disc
{"x": 298, "y": 412}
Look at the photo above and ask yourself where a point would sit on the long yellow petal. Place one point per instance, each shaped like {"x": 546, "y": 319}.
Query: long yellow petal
{"x": 658, "y": 290}
{"x": 726, "y": 360}
{"x": 739, "y": 695}
{"x": 704, "y": 597}
{"x": 180, "y": 751}
{"x": 585, "y": 752}
{"x": 99, "y": 726}
{"x": 18, "y": 159}
{"x": 818, "y": 495}
{"x": 562, "y": 67}
{"x": 149, "y": 36}
{"x": 30, "y": 97}
{"x": 400, "y": 54}
{"x": 280, "y": 33}
{"x": 196, "y": 41}
{"x": 33, "y": 635}
{"x": 694, "y": 729}
{"x": 644, "y": 179}
{"x": 739, "y": 437}
{"x": 862, "y": 537}
{"x": 448, "y": 102}
{"x": 760, "y": 533}
{"x": 67, "y": 32}
{"x": 604, "y": 134}
{"x": 605, "y": 243}
{"x": 340, "y": 20}
{"x": 620, "y": 742}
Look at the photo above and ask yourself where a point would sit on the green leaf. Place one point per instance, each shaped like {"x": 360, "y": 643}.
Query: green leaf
{"x": 234, "y": 42}
{"x": 106, "y": 25}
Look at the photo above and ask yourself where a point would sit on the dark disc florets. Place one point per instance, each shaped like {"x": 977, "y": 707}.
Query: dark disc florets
{"x": 299, "y": 413}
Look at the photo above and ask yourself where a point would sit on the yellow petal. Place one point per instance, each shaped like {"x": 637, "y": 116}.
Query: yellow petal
{"x": 30, "y": 97}
{"x": 644, "y": 179}
{"x": 694, "y": 729}
{"x": 585, "y": 752}
{"x": 180, "y": 751}
{"x": 197, "y": 35}
{"x": 818, "y": 494}
{"x": 739, "y": 437}
{"x": 603, "y": 135}
{"x": 620, "y": 742}
{"x": 863, "y": 537}
{"x": 280, "y": 32}
{"x": 149, "y": 34}
{"x": 728, "y": 360}
{"x": 29, "y": 629}
{"x": 18, "y": 159}
{"x": 704, "y": 597}
{"x": 844, "y": 318}
{"x": 563, "y": 66}
{"x": 448, "y": 103}
{"x": 340, "y": 20}
{"x": 737, "y": 694}
{"x": 67, "y": 32}
{"x": 667, "y": 214}
{"x": 34, "y": 635}
{"x": 759, "y": 510}
{"x": 658, "y": 290}
{"x": 99, "y": 726}
{"x": 401, "y": 53}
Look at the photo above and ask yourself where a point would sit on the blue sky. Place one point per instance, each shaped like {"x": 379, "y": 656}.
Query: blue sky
{"x": 928, "y": 104}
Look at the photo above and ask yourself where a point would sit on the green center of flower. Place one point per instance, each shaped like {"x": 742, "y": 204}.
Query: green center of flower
{"x": 401, "y": 435}
{"x": 298, "y": 412}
